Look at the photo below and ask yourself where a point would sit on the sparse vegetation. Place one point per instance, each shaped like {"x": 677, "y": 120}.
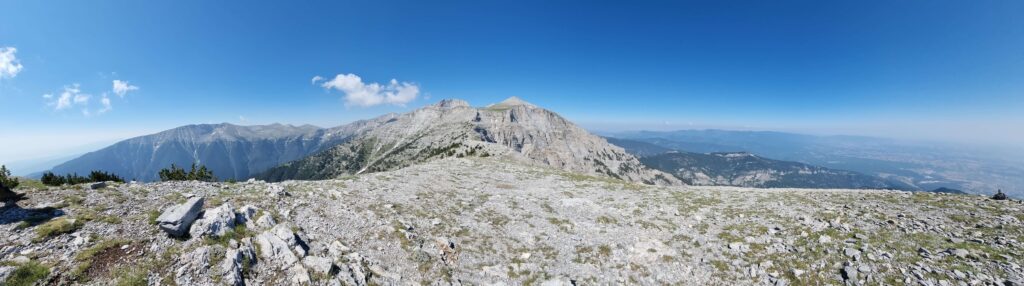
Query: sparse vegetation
{"x": 56, "y": 227}
{"x": 28, "y": 274}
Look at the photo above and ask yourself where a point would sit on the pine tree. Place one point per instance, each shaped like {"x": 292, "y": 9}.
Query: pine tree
{"x": 195, "y": 173}
{"x": 7, "y": 185}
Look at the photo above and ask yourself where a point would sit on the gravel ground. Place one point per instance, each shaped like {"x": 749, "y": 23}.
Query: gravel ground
{"x": 489, "y": 221}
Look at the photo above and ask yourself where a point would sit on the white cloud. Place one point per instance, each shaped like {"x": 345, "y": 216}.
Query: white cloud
{"x": 362, "y": 94}
{"x": 316, "y": 79}
{"x": 70, "y": 96}
{"x": 9, "y": 64}
{"x": 106, "y": 104}
{"x": 82, "y": 98}
{"x": 122, "y": 87}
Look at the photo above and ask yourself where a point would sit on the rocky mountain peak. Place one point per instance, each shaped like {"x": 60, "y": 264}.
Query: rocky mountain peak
{"x": 513, "y": 128}
{"x": 452, "y": 103}
{"x": 511, "y": 102}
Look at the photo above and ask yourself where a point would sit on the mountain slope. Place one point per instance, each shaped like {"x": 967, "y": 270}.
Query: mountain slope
{"x": 513, "y": 128}
{"x": 749, "y": 170}
{"x": 230, "y": 151}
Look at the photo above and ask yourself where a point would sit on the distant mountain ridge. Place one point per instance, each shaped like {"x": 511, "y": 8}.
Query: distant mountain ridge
{"x": 512, "y": 128}
{"x": 230, "y": 151}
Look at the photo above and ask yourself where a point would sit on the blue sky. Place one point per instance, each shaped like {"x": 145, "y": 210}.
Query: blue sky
{"x": 936, "y": 70}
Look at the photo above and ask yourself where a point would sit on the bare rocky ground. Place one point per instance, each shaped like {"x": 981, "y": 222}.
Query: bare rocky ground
{"x": 486, "y": 221}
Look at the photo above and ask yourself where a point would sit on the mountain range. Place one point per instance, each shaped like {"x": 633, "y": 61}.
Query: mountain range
{"x": 520, "y": 131}
{"x": 230, "y": 151}
{"x": 512, "y": 128}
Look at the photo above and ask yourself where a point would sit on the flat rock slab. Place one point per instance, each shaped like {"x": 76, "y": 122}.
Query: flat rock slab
{"x": 177, "y": 219}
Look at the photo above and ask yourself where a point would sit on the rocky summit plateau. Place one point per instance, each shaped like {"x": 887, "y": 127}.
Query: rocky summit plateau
{"x": 499, "y": 220}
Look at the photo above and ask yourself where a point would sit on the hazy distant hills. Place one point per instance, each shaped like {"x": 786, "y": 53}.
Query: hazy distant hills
{"x": 748, "y": 170}
{"x": 230, "y": 151}
{"x": 923, "y": 166}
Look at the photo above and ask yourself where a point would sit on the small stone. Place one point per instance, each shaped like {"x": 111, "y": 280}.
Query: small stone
{"x": 337, "y": 250}
{"x": 738, "y": 246}
{"x": 961, "y": 253}
{"x": 798, "y": 272}
{"x": 959, "y": 274}
{"x": 824, "y": 239}
{"x": 924, "y": 252}
{"x": 849, "y": 273}
{"x": 851, "y": 252}
{"x": 320, "y": 265}
{"x": 6, "y": 271}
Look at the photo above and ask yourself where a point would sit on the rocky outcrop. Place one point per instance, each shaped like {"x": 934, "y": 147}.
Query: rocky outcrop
{"x": 215, "y": 222}
{"x": 177, "y": 219}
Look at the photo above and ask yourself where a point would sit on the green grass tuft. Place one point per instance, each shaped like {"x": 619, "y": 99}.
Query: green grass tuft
{"x": 28, "y": 274}
{"x": 56, "y": 227}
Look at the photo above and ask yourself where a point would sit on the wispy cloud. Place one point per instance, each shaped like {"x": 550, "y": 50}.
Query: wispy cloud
{"x": 9, "y": 64}
{"x": 123, "y": 87}
{"x": 358, "y": 93}
{"x": 71, "y": 95}
{"x": 106, "y": 104}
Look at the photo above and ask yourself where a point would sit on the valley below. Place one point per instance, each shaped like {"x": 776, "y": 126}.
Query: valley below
{"x": 497, "y": 221}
